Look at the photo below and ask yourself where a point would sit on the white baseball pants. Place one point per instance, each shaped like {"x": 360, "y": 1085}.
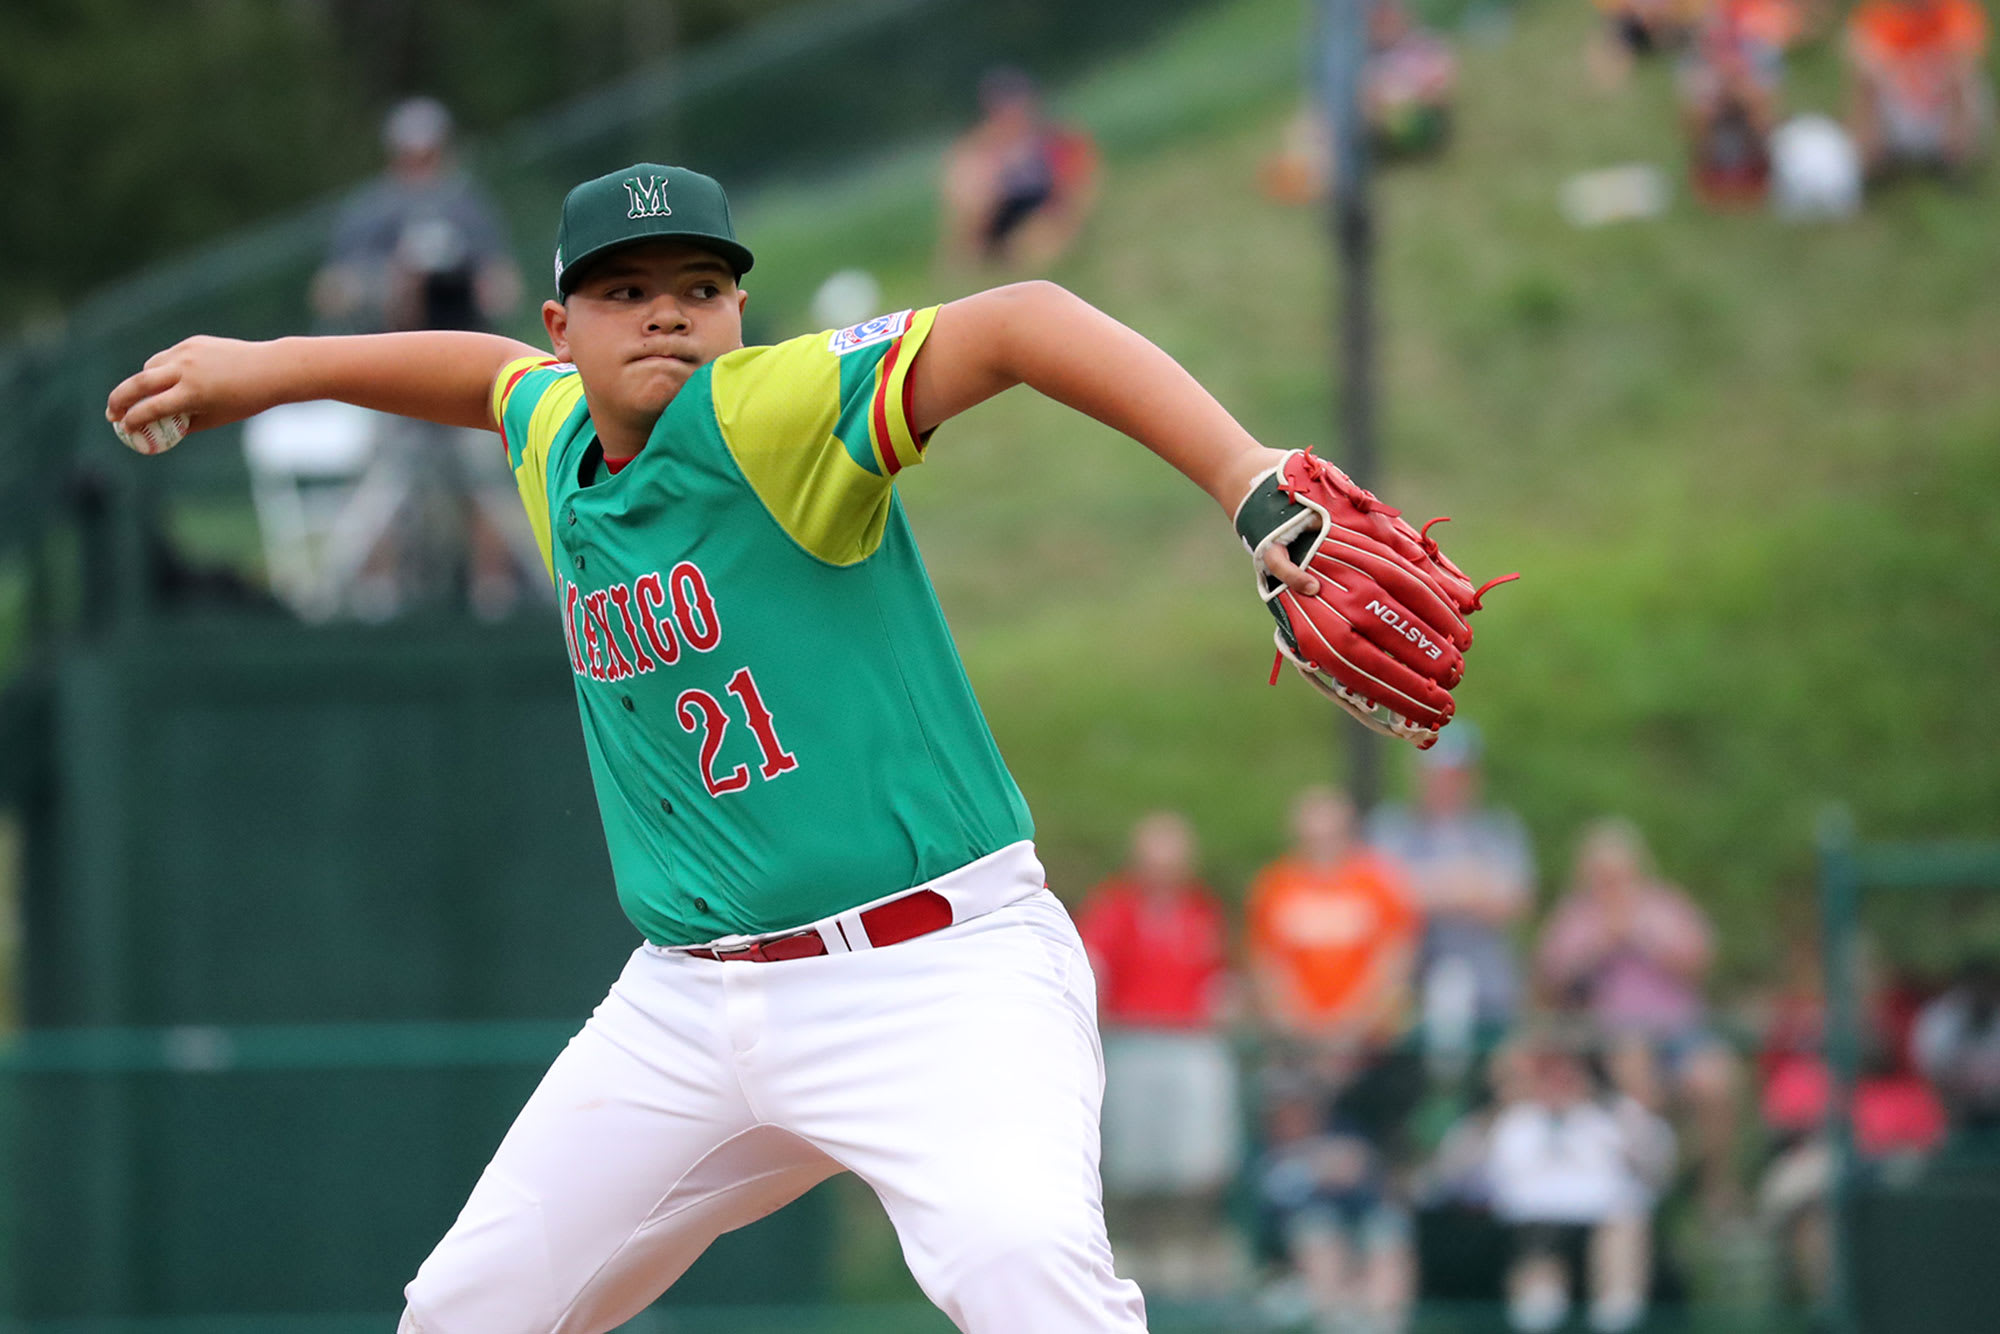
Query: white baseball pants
{"x": 958, "y": 1074}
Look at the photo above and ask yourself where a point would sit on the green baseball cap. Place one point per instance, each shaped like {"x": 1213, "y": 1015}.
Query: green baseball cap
{"x": 644, "y": 202}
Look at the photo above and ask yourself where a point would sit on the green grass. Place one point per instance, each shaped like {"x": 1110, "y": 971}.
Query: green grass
{"x": 1745, "y": 468}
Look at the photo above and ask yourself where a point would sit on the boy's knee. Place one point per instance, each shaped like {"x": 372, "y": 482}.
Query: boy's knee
{"x": 1026, "y": 1233}
{"x": 1018, "y": 1237}
{"x": 490, "y": 1274}
{"x": 1032, "y": 1264}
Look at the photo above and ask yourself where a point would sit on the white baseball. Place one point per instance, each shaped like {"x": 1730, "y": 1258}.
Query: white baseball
{"x": 155, "y": 437}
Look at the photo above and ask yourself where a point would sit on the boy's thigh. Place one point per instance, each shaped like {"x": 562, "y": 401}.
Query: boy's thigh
{"x": 514, "y": 1265}
{"x": 633, "y": 1154}
{"x": 960, "y": 1075}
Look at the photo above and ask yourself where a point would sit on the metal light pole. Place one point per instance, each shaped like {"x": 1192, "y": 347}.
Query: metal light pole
{"x": 1342, "y": 49}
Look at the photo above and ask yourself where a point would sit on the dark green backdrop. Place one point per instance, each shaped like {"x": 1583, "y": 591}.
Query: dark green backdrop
{"x": 339, "y": 896}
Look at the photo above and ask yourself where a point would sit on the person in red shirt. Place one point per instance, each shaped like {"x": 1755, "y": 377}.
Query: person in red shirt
{"x": 1159, "y": 944}
{"x": 1157, "y": 936}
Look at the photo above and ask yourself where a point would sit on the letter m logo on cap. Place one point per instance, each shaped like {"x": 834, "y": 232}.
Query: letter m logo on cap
{"x": 648, "y": 196}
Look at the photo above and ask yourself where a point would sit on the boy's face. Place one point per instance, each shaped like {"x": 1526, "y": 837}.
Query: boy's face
{"x": 641, "y": 321}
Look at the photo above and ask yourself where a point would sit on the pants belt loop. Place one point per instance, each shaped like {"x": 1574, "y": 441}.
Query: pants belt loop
{"x": 849, "y": 925}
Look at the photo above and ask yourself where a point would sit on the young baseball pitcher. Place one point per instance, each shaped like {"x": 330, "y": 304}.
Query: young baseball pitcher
{"x": 851, "y": 958}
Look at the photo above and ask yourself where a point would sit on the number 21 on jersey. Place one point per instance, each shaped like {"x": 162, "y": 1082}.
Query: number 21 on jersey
{"x": 658, "y": 616}
{"x": 702, "y": 712}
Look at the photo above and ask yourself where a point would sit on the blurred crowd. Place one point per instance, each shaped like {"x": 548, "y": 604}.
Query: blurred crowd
{"x": 1918, "y": 98}
{"x": 371, "y": 517}
{"x": 1391, "y": 1076}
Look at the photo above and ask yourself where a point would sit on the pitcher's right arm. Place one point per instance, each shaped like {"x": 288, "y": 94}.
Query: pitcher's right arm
{"x": 441, "y": 376}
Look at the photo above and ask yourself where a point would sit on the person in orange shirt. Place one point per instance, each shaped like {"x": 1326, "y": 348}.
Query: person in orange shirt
{"x": 1332, "y": 933}
{"x": 1332, "y": 938}
{"x": 1920, "y": 95}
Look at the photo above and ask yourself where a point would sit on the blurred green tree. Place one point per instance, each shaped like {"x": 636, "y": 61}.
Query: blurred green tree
{"x": 131, "y": 129}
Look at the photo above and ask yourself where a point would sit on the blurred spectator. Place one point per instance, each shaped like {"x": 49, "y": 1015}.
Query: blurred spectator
{"x": 1631, "y": 953}
{"x": 1410, "y": 83}
{"x": 1332, "y": 933}
{"x": 1786, "y": 24}
{"x": 1473, "y": 872}
{"x": 1332, "y": 940}
{"x": 1575, "y": 1174}
{"x": 1158, "y": 943}
{"x": 1957, "y": 1042}
{"x": 423, "y": 246}
{"x": 1323, "y": 1191}
{"x": 1896, "y": 1117}
{"x": 1729, "y": 85}
{"x": 1017, "y": 187}
{"x": 1920, "y": 94}
{"x": 1457, "y": 1171}
{"x": 1634, "y": 30}
{"x": 1463, "y": 1251}
{"x": 1407, "y": 90}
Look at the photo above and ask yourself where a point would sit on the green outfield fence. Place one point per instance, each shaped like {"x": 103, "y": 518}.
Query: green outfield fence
{"x": 1912, "y": 1255}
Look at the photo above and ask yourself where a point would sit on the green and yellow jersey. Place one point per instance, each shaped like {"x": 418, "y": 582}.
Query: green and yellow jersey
{"x": 778, "y": 724}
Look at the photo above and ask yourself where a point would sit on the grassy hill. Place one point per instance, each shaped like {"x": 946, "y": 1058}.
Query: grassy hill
{"x": 1746, "y": 469}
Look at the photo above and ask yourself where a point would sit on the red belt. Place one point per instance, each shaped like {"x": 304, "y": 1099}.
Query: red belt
{"x": 917, "y": 913}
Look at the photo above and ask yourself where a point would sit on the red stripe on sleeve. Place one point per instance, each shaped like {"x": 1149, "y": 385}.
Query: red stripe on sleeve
{"x": 501, "y": 419}
{"x": 515, "y": 379}
{"x": 891, "y": 465}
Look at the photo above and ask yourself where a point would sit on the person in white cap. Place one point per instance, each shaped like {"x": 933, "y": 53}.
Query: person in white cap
{"x": 422, "y": 246}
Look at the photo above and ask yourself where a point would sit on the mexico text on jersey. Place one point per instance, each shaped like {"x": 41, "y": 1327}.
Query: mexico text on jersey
{"x": 778, "y": 725}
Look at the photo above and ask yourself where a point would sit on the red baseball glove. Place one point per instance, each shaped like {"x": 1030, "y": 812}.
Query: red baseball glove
{"x": 1385, "y": 637}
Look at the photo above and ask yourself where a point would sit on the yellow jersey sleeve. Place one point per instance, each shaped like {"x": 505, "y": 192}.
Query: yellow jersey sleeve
{"x": 533, "y": 399}
{"x": 820, "y": 426}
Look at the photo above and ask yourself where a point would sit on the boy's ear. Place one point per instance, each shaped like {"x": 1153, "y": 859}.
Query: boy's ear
{"x": 742, "y": 300}
{"x": 555, "y": 319}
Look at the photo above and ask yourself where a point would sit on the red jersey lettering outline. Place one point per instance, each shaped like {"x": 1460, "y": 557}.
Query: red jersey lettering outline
{"x": 713, "y": 724}
{"x": 571, "y": 595}
{"x": 658, "y": 614}
{"x": 621, "y": 598}
{"x": 620, "y": 666}
{"x": 653, "y": 597}
{"x": 777, "y": 760}
{"x": 687, "y": 575}
{"x": 590, "y": 649}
